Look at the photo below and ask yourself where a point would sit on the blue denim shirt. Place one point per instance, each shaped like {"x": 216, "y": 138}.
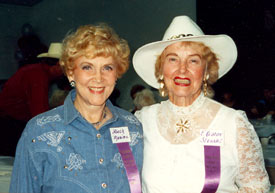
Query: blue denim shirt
{"x": 59, "y": 151}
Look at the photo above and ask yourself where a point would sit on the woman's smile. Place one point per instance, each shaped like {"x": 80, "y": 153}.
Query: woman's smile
{"x": 182, "y": 81}
{"x": 183, "y": 71}
{"x": 95, "y": 79}
{"x": 96, "y": 90}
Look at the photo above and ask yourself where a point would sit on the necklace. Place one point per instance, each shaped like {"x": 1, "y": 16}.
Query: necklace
{"x": 104, "y": 115}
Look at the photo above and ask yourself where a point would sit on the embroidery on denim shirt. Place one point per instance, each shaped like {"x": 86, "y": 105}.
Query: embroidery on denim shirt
{"x": 75, "y": 161}
{"x": 134, "y": 138}
{"x": 132, "y": 119}
{"x": 43, "y": 120}
{"x": 118, "y": 160}
{"x": 53, "y": 138}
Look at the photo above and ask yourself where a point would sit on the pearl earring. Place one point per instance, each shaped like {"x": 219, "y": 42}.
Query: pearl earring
{"x": 72, "y": 83}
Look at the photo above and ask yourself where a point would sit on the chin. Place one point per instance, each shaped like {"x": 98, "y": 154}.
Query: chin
{"x": 185, "y": 94}
{"x": 181, "y": 93}
{"x": 97, "y": 102}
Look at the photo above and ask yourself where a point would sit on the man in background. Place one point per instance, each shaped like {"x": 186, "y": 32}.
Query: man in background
{"x": 25, "y": 95}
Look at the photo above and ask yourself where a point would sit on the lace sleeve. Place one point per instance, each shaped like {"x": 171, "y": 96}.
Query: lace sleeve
{"x": 252, "y": 176}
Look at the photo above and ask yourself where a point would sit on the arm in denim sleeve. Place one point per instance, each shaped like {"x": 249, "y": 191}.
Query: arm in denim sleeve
{"x": 26, "y": 178}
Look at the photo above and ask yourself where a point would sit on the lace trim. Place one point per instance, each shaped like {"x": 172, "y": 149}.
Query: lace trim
{"x": 252, "y": 174}
{"x": 181, "y": 125}
{"x": 184, "y": 111}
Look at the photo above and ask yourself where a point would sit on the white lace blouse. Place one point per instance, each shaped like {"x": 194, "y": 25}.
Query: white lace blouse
{"x": 174, "y": 156}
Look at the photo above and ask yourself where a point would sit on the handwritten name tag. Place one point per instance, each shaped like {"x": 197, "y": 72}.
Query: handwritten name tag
{"x": 211, "y": 137}
{"x": 120, "y": 134}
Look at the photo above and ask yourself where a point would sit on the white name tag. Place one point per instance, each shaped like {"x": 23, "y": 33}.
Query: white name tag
{"x": 211, "y": 137}
{"x": 120, "y": 134}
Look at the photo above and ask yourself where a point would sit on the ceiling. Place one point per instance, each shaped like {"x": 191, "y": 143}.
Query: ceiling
{"x": 21, "y": 2}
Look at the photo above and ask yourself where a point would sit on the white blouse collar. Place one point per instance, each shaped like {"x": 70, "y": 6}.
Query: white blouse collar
{"x": 180, "y": 110}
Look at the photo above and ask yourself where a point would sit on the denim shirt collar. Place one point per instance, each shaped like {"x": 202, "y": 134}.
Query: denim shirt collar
{"x": 71, "y": 113}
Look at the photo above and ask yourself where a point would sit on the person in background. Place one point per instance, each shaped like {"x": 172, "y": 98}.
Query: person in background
{"x": 229, "y": 99}
{"x": 143, "y": 98}
{"x": 135, "y": 89}
{"x": 28, "y": 46}
{"x": 86, "y": 144}
{"x": 26, "y": 94}
{"x": 262, "y": 105}
{"x": 268, "y": 99}
{"x": 191, "y": 142}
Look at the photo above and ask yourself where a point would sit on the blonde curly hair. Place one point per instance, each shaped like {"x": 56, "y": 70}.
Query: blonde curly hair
{"x": 93, "y": 41}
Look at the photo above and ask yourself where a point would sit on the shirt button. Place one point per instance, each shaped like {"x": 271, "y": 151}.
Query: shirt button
{"x": 104, "y": 185}
{"x": 101, "y": 160}
{"x": 98, "y": 135}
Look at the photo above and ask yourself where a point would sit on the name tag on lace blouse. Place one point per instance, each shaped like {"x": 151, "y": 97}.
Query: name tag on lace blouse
{"x": 211, "y": 137}
{"x": 212, "y": 140}
{"x": 120, "y": 134}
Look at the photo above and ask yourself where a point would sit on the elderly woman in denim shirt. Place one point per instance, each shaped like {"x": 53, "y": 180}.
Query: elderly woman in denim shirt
{"x": 87, "y": 144}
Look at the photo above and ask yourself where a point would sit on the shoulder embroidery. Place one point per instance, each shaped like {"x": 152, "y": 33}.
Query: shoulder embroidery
{"x": 43, "y": 120}
{"x": 53, "y": 138}
{"x": 75, "y": 161}
{"x": 134, "y": 138}
{"x": 132, "y": 119}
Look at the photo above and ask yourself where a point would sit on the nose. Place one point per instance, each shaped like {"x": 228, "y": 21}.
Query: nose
{"x": 98, "y": 76}
{"x": 183, "y": 67}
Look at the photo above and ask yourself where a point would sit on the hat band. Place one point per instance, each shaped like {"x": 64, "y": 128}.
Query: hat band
{"x": 180, "y": 36}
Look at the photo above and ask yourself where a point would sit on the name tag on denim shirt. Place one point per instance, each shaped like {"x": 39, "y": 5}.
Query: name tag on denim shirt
{"x": 120, "y": 134}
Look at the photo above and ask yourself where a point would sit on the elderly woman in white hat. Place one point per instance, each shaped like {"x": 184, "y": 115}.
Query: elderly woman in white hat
{"x": 193, "y": 143}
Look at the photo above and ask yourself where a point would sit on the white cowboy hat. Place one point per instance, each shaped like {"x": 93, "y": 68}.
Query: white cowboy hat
{"x": 54, "y": 51}
{"x": 183, "y": 28}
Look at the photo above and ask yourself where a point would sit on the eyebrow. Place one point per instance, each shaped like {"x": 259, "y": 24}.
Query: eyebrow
{"x": 90, "y": 63}
{"x": 195, "y": 55}
{"x": 84, "y": 61}
{"x": 173, "y": 54}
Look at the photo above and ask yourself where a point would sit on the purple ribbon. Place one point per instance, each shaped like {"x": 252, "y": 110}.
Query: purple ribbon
{"x": 212, "y": 161}
{"x": 130, "y": 166}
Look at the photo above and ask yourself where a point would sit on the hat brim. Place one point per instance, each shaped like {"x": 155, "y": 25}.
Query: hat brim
{"x": 145, "y": 57}
{"x": 47, "y": 55}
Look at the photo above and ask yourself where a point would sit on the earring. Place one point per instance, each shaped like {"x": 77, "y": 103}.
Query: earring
{"x": 72, "y": 83}
{"x": 161, "y": 90}
{"x": 161, "y": 87}
{"x": 205, "y": 87}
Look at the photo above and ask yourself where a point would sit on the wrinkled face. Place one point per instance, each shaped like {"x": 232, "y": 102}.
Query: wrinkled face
{"x": 183, "y": 70}
{"x": 95, "y": 79}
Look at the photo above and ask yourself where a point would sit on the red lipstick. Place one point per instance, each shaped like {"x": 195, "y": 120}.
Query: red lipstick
{"x": 182, "y": 81}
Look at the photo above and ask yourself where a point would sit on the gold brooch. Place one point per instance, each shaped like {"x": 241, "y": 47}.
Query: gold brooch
{"x": 183, "y": 126}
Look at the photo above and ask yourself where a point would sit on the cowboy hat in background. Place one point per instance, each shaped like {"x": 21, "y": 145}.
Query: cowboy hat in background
{"x": 54, "y": 51}
{"x": 183, "y": 28}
